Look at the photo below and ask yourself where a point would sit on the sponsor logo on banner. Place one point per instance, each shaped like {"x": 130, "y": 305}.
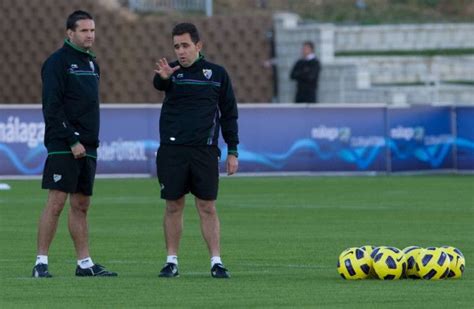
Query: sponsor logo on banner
{"x": 331, "y": 133}
{"x": 344, "y": 134}
{"x": 122, "y": 150}
{"x": 16, "y": 131}
{"x": 407, "y": 133}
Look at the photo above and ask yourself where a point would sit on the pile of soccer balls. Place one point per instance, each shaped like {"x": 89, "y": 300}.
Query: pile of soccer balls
{"x": 389, "y": 263}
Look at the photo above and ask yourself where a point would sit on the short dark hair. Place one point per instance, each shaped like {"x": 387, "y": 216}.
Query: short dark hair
{"x": 183, "y": 28}
{"x": 72, "y": 19}
{"x": 310, "y": 44}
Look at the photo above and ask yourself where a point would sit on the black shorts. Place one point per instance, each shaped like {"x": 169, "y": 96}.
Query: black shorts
{"x": 183, "y": 169}
{"x": 64, "y": 173}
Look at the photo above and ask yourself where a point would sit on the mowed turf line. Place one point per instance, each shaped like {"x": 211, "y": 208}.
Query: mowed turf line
{"x": 281, "y": 238}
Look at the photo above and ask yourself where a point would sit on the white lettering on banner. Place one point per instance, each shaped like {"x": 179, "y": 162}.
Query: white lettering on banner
{"x": 16, "y": 131}
{"x": 407, "y": 133}
{"x": 367, "y": 141}
{"x": 122, "y": 151}
{"x": 431, "y": 140}
{"x": 323, "y": 132}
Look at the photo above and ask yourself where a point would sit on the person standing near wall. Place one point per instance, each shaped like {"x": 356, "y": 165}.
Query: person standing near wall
{"x": 306, "y": 74}
{"x": 199, "y": 100}
{"x": 70, "y": 79}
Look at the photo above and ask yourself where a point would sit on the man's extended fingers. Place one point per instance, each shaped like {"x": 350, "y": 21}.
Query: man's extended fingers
{"x": 164, "y": 69}
{"x": 161, "y": 63}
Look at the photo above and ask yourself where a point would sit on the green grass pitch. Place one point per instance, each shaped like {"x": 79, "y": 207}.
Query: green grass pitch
{"x": 281, "y": 237}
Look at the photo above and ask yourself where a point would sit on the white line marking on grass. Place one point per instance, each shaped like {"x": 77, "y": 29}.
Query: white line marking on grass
{"x": 132, "y": 262}
{"x": 302, "y": 266}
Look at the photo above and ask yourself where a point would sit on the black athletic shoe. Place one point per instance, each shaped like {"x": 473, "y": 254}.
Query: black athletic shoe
{"x": 94, "y": 271}
{"x": 41, "y": 271}
{"x": 219, "y": 271}
{"x": 170, "y": 270}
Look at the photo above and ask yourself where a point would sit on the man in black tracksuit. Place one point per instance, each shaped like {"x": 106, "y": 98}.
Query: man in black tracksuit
{"x": 199, "y": 100}
{"x": 306, "y": 73}
{"x": 71, "y": 101}
{"x": 71, "y": 113}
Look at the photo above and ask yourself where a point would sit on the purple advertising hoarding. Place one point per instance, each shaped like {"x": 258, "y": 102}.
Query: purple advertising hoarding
{"x": 128, "y": 140}
{"x": 311, "y": 139}
{"x": 274, "y": 138}
{"x": 465, "y": 138}
{"x": 420, "y": 138}
{"x": 21, "y": 141}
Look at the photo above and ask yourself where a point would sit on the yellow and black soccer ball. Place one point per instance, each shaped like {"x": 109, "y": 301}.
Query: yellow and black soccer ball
{"x": 457, "y": 262}
{"x": 354, "y": 263}
{"x": 433, "y": 264}
{"x": 411, "y": 253}
{"x": 389, "y": 263}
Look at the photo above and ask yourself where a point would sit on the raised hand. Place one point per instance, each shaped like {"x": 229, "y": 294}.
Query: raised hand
{"x": 164, "y": 70}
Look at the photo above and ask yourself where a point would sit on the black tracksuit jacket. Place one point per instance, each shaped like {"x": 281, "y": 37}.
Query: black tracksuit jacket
{"x": 70, "y": 79}
{"x": 198, "y": 100}
{"x": 306, "y": 74}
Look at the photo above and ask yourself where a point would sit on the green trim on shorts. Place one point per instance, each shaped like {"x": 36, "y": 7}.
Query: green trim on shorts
{"x": 68, "y": 152}
{"x": 59, "y": 152}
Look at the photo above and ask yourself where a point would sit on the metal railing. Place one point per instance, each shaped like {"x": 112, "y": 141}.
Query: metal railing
{"x": 205, "y": 6}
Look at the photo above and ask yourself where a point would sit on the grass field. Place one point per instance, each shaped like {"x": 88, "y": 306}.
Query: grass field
{"x": 280, "y": 239}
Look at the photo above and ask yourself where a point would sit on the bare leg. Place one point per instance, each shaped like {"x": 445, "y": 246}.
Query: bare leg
{"x": 78, "y": 224}
{"x": 210, "y": 226}
{"x": 173, "y": 224}
{"x": 48, "y": 222}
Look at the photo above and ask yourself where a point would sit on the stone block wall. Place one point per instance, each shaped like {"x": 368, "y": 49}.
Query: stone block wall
{"x": 127, "y": 47}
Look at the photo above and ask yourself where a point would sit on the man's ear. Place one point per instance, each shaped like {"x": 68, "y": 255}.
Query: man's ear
{"x": 69, "y": 33}
{"x": 199, "y": 45}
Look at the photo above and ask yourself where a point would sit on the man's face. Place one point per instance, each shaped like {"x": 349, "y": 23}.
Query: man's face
{"x": 306, "y": 50}
{"x": 185, "y": 49}
{"x": 84, "y": 34}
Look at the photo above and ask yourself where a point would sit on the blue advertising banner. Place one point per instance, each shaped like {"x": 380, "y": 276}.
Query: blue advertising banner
{"x": 274, "y": 138}
{"x": 420, "y": 138}
{"x": 465, "y": 138}
{"x": 128, "y": 140}
{"x": 21, "y": 141}
{"x": 311, "y": 139}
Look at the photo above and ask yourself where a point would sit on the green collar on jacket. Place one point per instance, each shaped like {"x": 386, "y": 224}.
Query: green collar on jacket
{"x": 82, "y": 50}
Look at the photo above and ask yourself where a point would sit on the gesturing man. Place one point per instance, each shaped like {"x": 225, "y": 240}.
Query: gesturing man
{"x": 199, "y": 99}
{"x": 71, "y": 113}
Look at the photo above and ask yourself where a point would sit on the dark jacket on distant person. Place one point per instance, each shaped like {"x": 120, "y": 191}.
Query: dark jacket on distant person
{"x": 70, "y": 98}
{"x": 306, "y": 74}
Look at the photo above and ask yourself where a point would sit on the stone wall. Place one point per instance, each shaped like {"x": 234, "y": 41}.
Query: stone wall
{"x": 127, "y": 47}
{"x": 414, "y": 69}
{"x": 367, "y": 79}
{"x": 404, "y": 37}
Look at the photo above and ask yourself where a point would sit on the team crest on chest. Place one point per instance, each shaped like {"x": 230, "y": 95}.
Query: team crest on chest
{"x": 207, "y": 73}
